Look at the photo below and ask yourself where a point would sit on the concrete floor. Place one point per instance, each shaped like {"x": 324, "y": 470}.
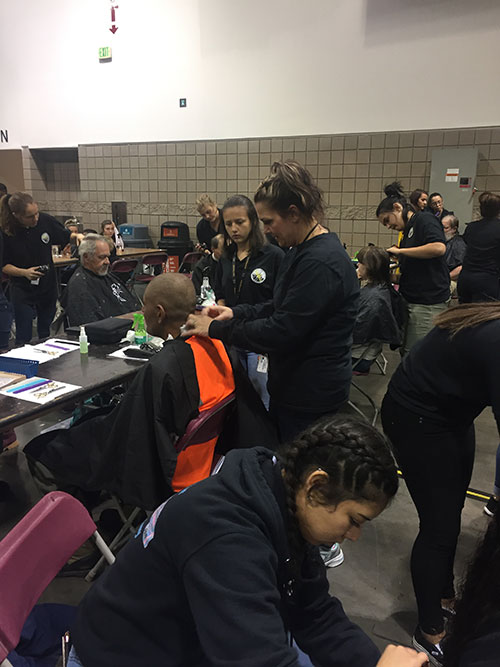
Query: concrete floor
{"x": 373, "y": 583}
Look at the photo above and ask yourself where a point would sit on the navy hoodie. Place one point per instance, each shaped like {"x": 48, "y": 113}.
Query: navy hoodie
{"x": 205, "y": 582}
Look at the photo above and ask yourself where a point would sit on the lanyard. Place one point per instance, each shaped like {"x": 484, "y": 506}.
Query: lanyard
{"x": 237, "y": 291}
{"x": 309, "y": 234}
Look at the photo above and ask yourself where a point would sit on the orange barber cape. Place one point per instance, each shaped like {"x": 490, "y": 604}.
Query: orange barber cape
{"x": 215, "y": 382}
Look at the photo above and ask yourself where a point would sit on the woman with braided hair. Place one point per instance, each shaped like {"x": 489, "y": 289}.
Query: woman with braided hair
{"x": 227, "y": 571}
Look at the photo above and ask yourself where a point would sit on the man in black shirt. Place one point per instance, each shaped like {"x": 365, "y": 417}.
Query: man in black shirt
{"x": 92, "y": 294}
{"x": 207, "y": 266}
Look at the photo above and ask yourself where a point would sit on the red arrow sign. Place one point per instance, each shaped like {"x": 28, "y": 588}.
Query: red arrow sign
{"x": 113, "y": 28}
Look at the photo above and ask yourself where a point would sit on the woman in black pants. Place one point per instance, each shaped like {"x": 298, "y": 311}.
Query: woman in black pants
{"x": 428, "y": 413}
{"x": 479, "y": 279}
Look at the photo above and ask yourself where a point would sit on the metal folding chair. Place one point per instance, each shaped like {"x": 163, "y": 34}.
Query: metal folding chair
{"x": 31, "y": 555}
{"x": 125, "y": 268}
{"x": 189, "y": 261}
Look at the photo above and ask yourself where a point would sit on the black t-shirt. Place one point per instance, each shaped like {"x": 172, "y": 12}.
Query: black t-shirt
{"x": 205, "y": 232}
{"x": 455, "y": 252}
{"x": 451, "y": 380}
{"x": 425, "y": 281}
{"x": 253, "y": 280}
{"x": 482, "y": 239}
{"x": 306, "y": 329}
{"x": 32, "y": 246}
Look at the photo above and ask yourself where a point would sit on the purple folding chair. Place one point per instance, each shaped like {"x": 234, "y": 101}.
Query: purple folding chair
{"x": 31, "y": 555}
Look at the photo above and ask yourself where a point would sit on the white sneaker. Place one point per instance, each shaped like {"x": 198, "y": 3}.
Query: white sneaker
{"x": 332, "y": 556}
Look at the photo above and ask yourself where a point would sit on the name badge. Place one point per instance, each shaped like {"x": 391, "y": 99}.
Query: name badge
{"x": 262, "y": 363}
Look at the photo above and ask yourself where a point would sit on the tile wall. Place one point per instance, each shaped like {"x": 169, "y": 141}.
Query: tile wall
{"x": 160, "y": 181}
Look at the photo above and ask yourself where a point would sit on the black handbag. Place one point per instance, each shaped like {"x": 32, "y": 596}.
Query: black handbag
{"x": 110, "y": 330}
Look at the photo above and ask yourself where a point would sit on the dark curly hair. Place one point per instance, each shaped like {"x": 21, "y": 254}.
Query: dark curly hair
{"x": 479, "y": 600}
{"x": 357, "y": 459}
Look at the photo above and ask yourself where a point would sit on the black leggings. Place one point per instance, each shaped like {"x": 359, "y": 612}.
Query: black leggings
{"x": 436, "y": 461}
{"x": 475, "y": 287}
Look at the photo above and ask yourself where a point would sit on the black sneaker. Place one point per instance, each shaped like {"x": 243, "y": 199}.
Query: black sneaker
{"x": 491, "y": 506}
{"x": 434, "y": 651}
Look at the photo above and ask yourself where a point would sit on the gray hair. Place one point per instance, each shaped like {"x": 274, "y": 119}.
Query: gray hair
{"x": 452, "y": 220}
{"x": 88, "y": 245}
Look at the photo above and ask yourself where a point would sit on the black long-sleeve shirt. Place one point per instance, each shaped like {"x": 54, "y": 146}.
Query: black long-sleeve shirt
{"x": 451, "y": 381}
{"x": 205, "y": 582}
{"x": 306, "y": 329}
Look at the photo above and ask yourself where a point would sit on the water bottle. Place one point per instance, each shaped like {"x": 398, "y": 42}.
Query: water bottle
{"x": 207, "y": 294}
{"x": 141, "y": 335}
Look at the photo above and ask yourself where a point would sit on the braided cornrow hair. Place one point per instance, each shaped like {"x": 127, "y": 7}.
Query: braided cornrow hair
{"x": 357, "y": 459}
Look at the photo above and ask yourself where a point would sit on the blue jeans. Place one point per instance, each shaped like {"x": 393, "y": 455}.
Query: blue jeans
{"x": 44, "y": 310}
{"x": 249, "y": 361}
{"x": 73, "y": 659}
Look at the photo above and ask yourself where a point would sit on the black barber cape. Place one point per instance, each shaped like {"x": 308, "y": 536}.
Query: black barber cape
{"x": 90, "y": 298}
{"x": 130, "y": 451}
{"x": 205, "y": 582}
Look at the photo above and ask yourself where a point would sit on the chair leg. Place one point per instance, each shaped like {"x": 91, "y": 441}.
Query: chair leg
{"x": 6, "y": 663}
{"x": 127, "y": 526}
{"x": 382, "y": 362}
{"x": 370, "y": 400}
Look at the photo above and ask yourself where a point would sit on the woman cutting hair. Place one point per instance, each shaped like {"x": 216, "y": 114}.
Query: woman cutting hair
{"x": 306, "y": 329}
{"x": 425, "y": 280}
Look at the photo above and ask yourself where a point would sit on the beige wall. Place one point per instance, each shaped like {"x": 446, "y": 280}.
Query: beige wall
{"x": 11, "y": 170}
{"x": 160, "y": 181}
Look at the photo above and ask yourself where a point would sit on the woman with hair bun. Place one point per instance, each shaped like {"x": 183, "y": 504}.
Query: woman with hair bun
{"x": 425, "y": 280}
{"x": 227, "y": 571}
{"x": 306, "y": 328}
{"x": 479, "y": 279}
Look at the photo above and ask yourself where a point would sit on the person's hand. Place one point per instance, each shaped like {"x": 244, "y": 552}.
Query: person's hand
{"x": 402, "y": 656}
{"x": 77, "y": 237}
{"x": 33, "y": 273}
{"x": 394, "y": 250}
{"x": 220, "y": 313}
{"x": 197, "y": 325}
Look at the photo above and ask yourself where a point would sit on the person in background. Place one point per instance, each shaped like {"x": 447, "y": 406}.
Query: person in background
{"x": 92, "y": 293}
{"x": 210, "y": 223}
{"x": 306, "y": 329}
{"x": 207, "y": 265}
{"x": 3, "y": 190}
{"x": 474, "y": 637}
{"x": 110, "y": 230}
{"x": 223, "y": 572}
{"x": 455, "y": 248}
{"x": 247, "y": 274}
{"x": 6, "y": 315}
{"x": 71, "y": 249}
{"x": 442, "y": 385}
{"x": 479, "y": 279}
{"x": 89, "y": 230}
{"x": 28, "y": 240}
{"x": 436, "y": 207}
{"x": 418, "y": 200}
{"x": 425, "y": 280}
{"x": 380, "y": 307}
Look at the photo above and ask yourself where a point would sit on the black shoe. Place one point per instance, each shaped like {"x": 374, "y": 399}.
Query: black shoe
{"x": 80, "y": 567}
{"x": 434, "y": 651}
{"x": 491, "y": 506}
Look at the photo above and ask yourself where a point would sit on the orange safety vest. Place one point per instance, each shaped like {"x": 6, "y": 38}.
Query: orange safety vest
{"x": 215, "y": 381}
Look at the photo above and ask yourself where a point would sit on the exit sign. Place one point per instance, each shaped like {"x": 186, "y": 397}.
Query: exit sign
{"x": 104, "y": 53}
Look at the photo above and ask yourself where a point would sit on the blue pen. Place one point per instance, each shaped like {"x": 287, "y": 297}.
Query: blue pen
{"x": 29, "y": 383}
{"x": 32, "y": 386}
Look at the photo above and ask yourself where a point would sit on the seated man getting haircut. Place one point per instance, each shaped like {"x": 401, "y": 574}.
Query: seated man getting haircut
{"x": 131, "y": 450}
{"x": 92, "y": 293}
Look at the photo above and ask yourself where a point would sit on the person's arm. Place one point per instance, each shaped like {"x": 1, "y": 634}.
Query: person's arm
{"x": 320, "y": 625}
{"x": 314, "y": 291}
{"x": 235, "y": 603}
{"x": 455, "y": 273}
{"x": 30, "y": 274}
{"x": 426, "y": 251}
